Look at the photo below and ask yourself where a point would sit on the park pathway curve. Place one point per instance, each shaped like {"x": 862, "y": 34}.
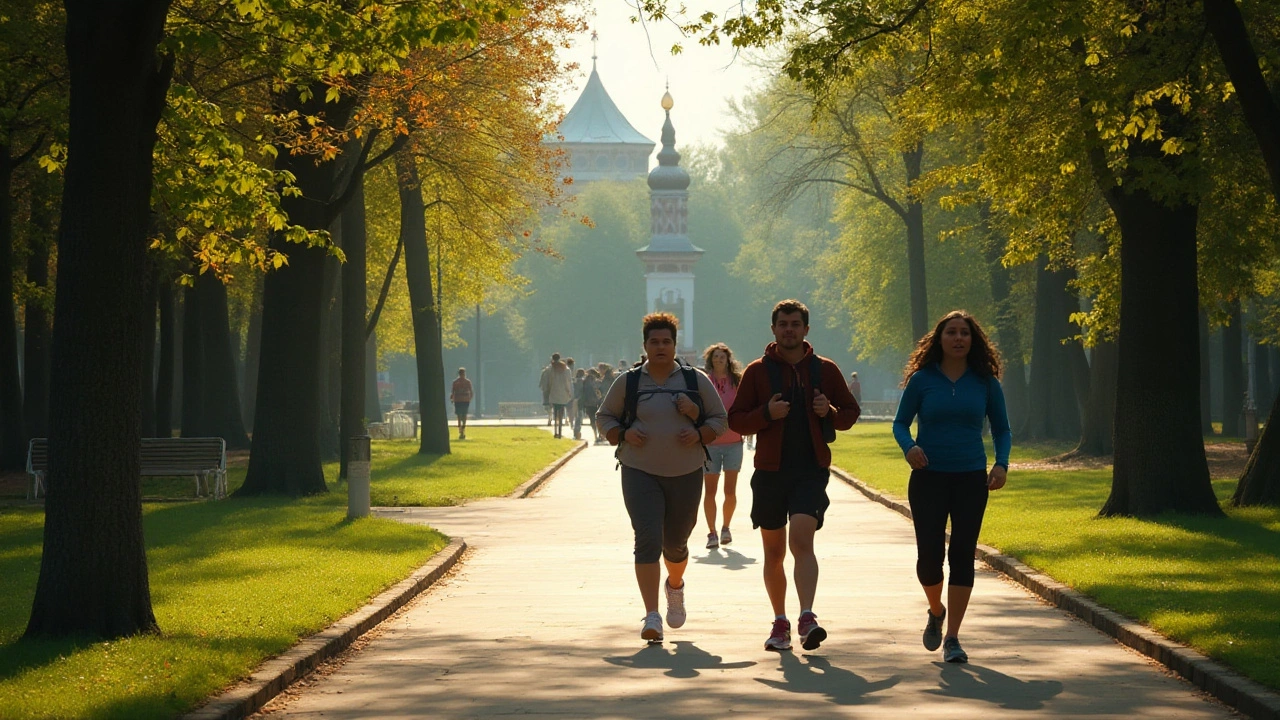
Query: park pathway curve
{"x": 543, "y": 618}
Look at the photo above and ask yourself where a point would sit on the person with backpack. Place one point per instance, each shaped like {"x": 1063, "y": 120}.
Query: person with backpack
{"x": 950, "y": 386}
{"x": 726, "y": 452}
{"x": 591, "y": 398}
{"x": 793, "y": 401}
{"x": 661, "y": 414}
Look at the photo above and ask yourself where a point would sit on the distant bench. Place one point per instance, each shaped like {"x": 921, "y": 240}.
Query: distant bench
{"x": 879, "y": 408}
{"x": 508, "y": 410}
{"x": 199, "y": 458}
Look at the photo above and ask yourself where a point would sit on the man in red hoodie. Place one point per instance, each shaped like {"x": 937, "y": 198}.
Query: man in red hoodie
{"x": 786, "y": 407}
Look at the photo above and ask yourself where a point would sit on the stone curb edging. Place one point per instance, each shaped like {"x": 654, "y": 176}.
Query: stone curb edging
{"x": 533, "y": 484}
{"x": 272, "y": 677}
{"x": 1227, "y": 685}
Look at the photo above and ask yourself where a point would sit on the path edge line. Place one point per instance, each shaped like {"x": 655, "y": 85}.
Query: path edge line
{"x": 1229, "y": 686}
{"x": 274, "y": 675}
{"x": 535, "y": 483}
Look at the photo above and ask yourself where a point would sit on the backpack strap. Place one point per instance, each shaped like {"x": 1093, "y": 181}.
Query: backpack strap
{"x": 774, "y": 371}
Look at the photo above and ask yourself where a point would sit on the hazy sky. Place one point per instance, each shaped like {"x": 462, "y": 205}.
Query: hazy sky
{"x": 634, "y": 70}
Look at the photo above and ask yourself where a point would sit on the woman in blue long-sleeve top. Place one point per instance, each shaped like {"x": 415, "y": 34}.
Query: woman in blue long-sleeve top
{"x": 952, "y": 382}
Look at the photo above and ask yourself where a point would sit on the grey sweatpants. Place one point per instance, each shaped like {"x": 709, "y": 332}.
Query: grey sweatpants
{"x": 663, "y": 510}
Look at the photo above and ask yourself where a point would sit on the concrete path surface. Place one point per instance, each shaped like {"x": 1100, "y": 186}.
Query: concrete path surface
{"x": 543, "y": 618}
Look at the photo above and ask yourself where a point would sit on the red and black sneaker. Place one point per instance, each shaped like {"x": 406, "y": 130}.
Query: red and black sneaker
{"x": 811, "y": 633}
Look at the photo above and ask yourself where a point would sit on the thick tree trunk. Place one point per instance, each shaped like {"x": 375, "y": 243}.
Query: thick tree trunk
{"x": 1263, "y": 382}
{"x": 179, "y": 305}
{"x": 1014, "y": 380}
{"x": 1233, "y": 374}
{"x": 1260, "y": 483}
{"x": 148, "y": 397}
{"x": 426, "y": 338}
{"x": 372, "y": 403}
{"x": 331, "y": 364}
{"x": 192, "y": 418}
{"x": 93, "y": 570}
{"x": 285, "y": 458}
{"x": 164, "y": 366}
{"x": 13, "y": 440}
{"x": 35, "y": 349}
{"x": 915, "y": 248}
{"x": 353, "y": 321}
{"x": 1159, "y": 453}
{"x": 218, "y": 388}
{"x": 1206, "y": 385}
{"x": 253, "y": 350}
{"x": 1096, "y": 434}
{"x": 1054, "y": 409}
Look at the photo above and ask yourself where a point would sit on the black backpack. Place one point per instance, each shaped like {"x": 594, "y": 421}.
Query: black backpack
{"x": 631, "y": 399}
{"x": 774, "y": 369}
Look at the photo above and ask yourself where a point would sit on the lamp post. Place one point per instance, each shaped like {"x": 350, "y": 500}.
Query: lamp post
{"x": 479, "y": 369}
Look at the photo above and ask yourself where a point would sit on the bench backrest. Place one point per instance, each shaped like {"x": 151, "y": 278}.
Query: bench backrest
{"x": 160, "y": 456}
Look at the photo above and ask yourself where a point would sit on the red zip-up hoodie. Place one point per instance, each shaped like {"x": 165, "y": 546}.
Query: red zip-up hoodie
{"x": 749, "y": 414}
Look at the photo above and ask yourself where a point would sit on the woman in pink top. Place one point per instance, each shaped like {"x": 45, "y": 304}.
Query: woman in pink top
{"x": 726, "y": 451}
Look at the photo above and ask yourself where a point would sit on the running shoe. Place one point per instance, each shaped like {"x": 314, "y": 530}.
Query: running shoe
{"x": 675, "y": 604}
{"x": 933, "y": 630}
{"x": 652, "y": 630}
{"x": 726, "y": 537}
{"x": 713, "y": 542}
{"x": 780, "y": 636}
{"x": 952, "y": 652}
{"x": 811, "y": 633}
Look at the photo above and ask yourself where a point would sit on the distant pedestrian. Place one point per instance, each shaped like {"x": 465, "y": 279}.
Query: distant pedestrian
{"x": 560, "y": 391}
{"x": 544, "y": 384}
{"x": 460, "y": 396}
{"x": 571, "y": 412}
{"x": 660, "y": 431}
{"x": 794, "y": 401}
{"x": 951, "y": 384}
{"x": 579, "y": 377}
{"x": 855, "y": 387}
{"x": 726, "y": 452}
{"x": 591, "y": 397}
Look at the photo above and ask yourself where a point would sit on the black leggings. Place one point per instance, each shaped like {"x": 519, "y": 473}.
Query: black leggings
{"x": 934, "y": 496}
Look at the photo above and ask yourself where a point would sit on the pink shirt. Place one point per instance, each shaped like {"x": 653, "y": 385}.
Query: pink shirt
{"x": 727, "y": 391}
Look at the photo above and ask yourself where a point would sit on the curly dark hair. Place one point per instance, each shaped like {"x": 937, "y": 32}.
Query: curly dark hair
{"x": 735, "y": 370}
{"x": 984, "y": 357}
{"x": 660, "y": 321}
{"x": 788, "y": 307}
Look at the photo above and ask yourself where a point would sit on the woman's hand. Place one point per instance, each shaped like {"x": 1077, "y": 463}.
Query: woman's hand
{"x": 688, "y": 436}
{"x": 996, "y": 478}
{"x": 635, "y": 437}
{"x": 916, "y": 458}
{"x": 686, "y": 407}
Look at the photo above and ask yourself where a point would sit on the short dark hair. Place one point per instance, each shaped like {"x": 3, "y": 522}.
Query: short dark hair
{"x": 555, "y": 357}
{"x": 788, "y": 307}
{"x": 568, "y": 361}
{"x": 660, "y": 321}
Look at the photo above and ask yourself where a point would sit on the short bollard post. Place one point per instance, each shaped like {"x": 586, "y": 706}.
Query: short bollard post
{"x": 358, "y": 477}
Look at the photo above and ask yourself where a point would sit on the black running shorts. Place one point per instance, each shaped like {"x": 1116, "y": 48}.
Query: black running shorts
{"x": 778, "y": 494}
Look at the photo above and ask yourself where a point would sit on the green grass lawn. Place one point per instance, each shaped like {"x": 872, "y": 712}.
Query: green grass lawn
{"x": 225, "y": 579}
{"x": 1211, "y": 583}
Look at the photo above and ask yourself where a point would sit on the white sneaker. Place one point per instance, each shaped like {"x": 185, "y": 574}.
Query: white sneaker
{"x": 713, "y": 541}
{"x": 675, "y": 604}
{"x": 652, "y": 630}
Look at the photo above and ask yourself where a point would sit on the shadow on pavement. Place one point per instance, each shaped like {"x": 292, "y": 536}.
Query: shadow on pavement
{"x": 979, "y": 683}
{"x": 727, "y": 559}
{"x": 814, "y": 674}
{"x": 685, "y": 662}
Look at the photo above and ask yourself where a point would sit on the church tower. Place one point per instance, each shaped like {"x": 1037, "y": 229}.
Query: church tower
{"x": 669, "y": 257}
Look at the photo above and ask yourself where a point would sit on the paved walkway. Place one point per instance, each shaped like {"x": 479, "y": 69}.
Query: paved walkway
{"x": 543, "y": 618}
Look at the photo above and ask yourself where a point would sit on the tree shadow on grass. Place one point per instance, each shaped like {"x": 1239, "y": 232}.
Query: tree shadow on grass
{"x": 684, "y": 662}
{"x": 975, "y": 682}
{"x": 725, "y": 558}
{"x": 814, "y": 674}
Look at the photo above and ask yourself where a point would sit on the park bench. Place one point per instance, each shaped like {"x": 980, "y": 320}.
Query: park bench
{"x": 199, "y": 458}
{"x": 507, "y": 410}
{"x": 879, "y": 409}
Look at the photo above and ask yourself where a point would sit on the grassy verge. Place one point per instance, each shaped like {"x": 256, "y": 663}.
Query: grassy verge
{"x": 1211, "y": 583}
{"x": 225, "y": 579}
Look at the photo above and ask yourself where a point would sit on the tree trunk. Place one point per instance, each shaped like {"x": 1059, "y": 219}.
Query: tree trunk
{"x": 147, "y": 399}
{"x": 1263, "y": 382}
{"x": 218, "y": 386}
{"x": 1260, "y": 483}
{"x": 372, "y": 402}
{"x": 915, "y": 247}
{"x": 1233, "y": 374}
{"x": 285, "y": 458}
{"x": 1014, "y": 380}
{"x": 164, "y": 367}
{"x": 1096, "y": 434}
{"x": 331, "y": 354}
{"x": 1206, "y": 386}
{"x": 253, "y": 349}
{"x": 179, "y": 310}
{"x": 93, "y": 570}
{"x": 193, "y": 373}
{"x": 35, "y": 349}
{"x": 13, "y": 439}
{"x": 353, "y": 321}
{"x": 1159, "y": 453}
{"x": 1054, "y": 409}
{"x": 426, "y": 338}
